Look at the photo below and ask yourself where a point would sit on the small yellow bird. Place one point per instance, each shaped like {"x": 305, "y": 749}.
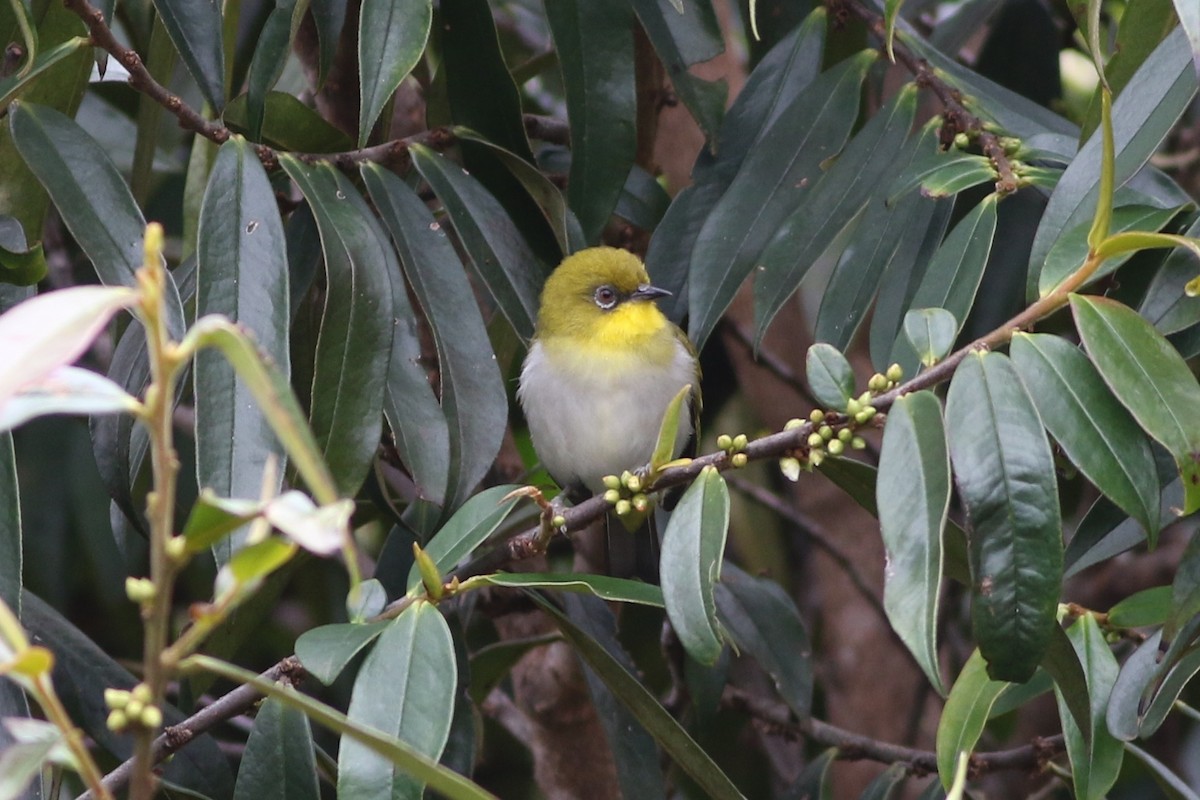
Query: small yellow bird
{"x": 602, "y": 368}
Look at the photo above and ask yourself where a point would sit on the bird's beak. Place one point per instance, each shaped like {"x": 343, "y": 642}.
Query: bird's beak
{"x": 648, "y": 292}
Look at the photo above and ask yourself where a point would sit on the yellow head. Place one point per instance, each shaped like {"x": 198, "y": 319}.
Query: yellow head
{"x": 601, "y": 296}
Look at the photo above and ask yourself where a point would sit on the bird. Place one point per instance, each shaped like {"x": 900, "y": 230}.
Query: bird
{"x": 602, "y": 367}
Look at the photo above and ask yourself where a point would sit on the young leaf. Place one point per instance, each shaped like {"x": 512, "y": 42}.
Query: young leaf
{"x": 1150, "y": 379}
{"x": 913, "y": 494}
{"x": 670, "y": 429}
{"x": 1005, "y": 475}
{"x": 693, "y": 548}
{"x": 830, "y": 376}
{"x": 965, "y": 714}
{"x": 931, "y": 332}
{"x": 391, "y": 38}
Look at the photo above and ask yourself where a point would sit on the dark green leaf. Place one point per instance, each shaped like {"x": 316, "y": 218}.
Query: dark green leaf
{"x": 765, "y": 623}
{"x": 1170, "y": 686}
{"x": 278, "y": 763}
{"x": 936, "y": 170}
{"x": 1095, "y": 755}
{"x": 325, "y": 651}
{"x": 619, "y": 590}
{"x": 1124, "y": 713}
{"x": 813, "y": 782}
{"x": 913, "y": 494}
{"x": 356, "y": 338}
{"x": 501, "y": 257}
{"x": 594, "y": 42}
{"x": 1005, "y": 475}
{"x": 1150, "y": 379}
{"x": 20, "y": 264}
{"x": 329, "y": 17}
{"x": 289, "y": 125}
{"x": 693, "y": 547}
{"x": 828, "y": 209}
{"x": 1092, "y": 428}
{"x": 661, "y": 725}
{"x": 884, "y": 786}
{"x": 931, "y": 332}
{"x": 1141, "y": 609}
{"x": 242, "y": 273}
{"x": 683, "y": 39}
{"x": 1175, "y": 787}
{"x": 1106, "y": 531}
{"x": 1185, "y": 591}
{"x": 470, "y": 526}
{"x": 491, "y": 663}
{"x": 1189, "y": 20}
{"x": 195, "y": 28}
{"x": 270, "y": 57}
{"x": 1142, "y": 115}
{"x": 391, "y": 38}
{"x": 90, "y": 194}
{"x": 776, "y": 176}
{"x": 1064, "y": 665}
{"x": 473, "y": 397}
{"x": 405, "y": 689}
{"x": 10, "y": 528}
{"x": 965, "y": 714}
{"x": 830, "y": 376}
{"x": 1166, "y": 303}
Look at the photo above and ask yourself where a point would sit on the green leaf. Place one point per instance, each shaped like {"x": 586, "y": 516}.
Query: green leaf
{"x": 884, "y": 786}
{"x": 278, "y": 763}
{"x": 270, "y": 57}
{"x": 763, "y": 621}
{"x": 830, "y": 376}
{"x": 913, "y": 495}
{"x": 501, "y": 257}
{"x": 931, "y": 332}
{"x": 693, "y": 547}
{"x": 1189, "y": 20}
{"x": 669, "y": 430}
{"x": 686, "y": 35}
{"x": 965, "y": 714}
{"x": 813, "y": 781}
{"x": 470, "y": 526}
{"x": 776, "y": 176}
{"x": 10, "y": 528}
{"x": 66, "y": 390}
{"x": 1170, "y": 685}
{"x": 1071, "y": 249}
{"x": 405, "y": 689}
{"x": 1092, "y": 428}
{"x": 473, "y": 399}
{"x": 391, "y": 748}
{"x": 20, "y": 264}
{"x": 242, "y": 273}
{"x": 325, "y": 651}
{"x": 1095, "y": 755}
{"x": 1005, "y": 476}
{"x": 594, "y": 42}
{"x": 665, "y": 729}
{"x": 1147, "y": 108}
{"x": 1166, "y": 303}
{"x": 355, "y": 344}
{"x": 1102, "y": 219}
{"x": 195, "y": 28}
{"x": 288, "y": 124}
{"x": 212, "y": 518}
{"x": 619, "y": 590}
{"x": 940, "y": 173}
{"x": 90, "y": 194}
{"x": 1172, "y": 785}
{"x": 391, "y": 38}
{"x": 1185, "y": 591}
{"x": 1141, "y": 609}
{"x": 328, "y": 16}
{"x": 1150, "y": 379}
{"x": 1125, "y": 708}
{"x": 14, "y": 86}
{"x": 826, "y": 213}
{"x": 22, "y": 760}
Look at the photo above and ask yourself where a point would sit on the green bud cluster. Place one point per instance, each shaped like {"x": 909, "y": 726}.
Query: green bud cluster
{"x": 132, "y": 708}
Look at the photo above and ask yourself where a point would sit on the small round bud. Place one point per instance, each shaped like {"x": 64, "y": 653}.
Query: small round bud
{"x": 877, "y": 383}
{"x": 825, "y": 432}
{"x": 133, "y": 709}
{"x": 844, "y": 435}
{"x": 793, "y": 424}
{"x": 864, "y": 416}
{"x": 858, "y": 443}
{"x": 1010, "y": 144}
{"x": 835, "y": 447}
{"x": 815, "y": 440}
{"x": 864, "y": 399}
{"x": 623, "y": 508}
{"x": 895, "y": 373}
{"x": 740, "y": 441}
{"x": 139, "y": 590}
{"x": 612, "y": 496}
{"x": 816, "y": 416}
{"x": 739, "y": 460}
{"x": 116, "y": 699}
{"x": 853, "y": 406}
{"x": 612, "y": 482}
{"x": 117, "y": 721}
{"x": 151, "y": 717}
{"x": 962, "y": 141}
{"x": 790, "y": 467}
{"x": 816, "y": 457}
{"x": 559, "y": 521}
{"x": 640, "y": 503}
{"x": 634, "y": 483}
{"x": 724, "y": 441}
{"x": 141, "y": 693}
{"x": 176, "y": 548}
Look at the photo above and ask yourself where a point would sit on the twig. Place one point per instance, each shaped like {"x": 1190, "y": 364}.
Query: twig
{"x": 855, "y": 746}
{"x": 227, "y": 707}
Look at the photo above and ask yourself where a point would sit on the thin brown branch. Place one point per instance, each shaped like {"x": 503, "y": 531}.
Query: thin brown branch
{"x": 855, "y": 746}
{"x": 227, "y": 707}
{"x": 957, "y": 118}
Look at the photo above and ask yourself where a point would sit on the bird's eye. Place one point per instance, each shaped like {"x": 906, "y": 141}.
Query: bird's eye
{"x": 606, "y": 297}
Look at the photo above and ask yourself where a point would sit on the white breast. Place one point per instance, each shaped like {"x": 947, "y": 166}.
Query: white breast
{"x": 590, "y": 419}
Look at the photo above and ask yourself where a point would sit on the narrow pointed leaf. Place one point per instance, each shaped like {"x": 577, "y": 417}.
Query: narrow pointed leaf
{"x": 405, "y": 689}
{"x": 884, "y": 786}
{"x": 830, "y": 376}
{"x": 965, "y": 714}
{"x": 668, "y": 431}
{"x": 279, "y": 763}
{"x": 1189, "y": 20}
{"x": 270, "y": 57}
{"x": 775, "y": 177}
{"x": 1185, "y": 591}
{"x": 931, "y": 332}
{"x": 501, "y": 257}
{"x": 391, "y": 38}
{"x": 913, "y": 494}
{"x": 693, "y": 548}
{"x": 195, "y": 28}
{"x": 1005, "y": 475}
{"x": 473, "y": 399}
{"x": 1171, "y": 783}
{"x": 1095, "y": 757}
{"x": 10, "y": 528}
{"x": 470, "y": 526}
{"x": 620, "y": 590}
{"x": 355, "y": 343}
{"x": 1150, "y": 379}
{"x": 242, "y": 273}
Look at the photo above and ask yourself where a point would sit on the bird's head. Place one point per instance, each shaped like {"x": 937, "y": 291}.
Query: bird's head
{"x": 602, "y": 294}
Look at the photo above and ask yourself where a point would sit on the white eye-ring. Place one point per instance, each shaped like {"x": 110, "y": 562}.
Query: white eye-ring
{"x": 606, "y": 297}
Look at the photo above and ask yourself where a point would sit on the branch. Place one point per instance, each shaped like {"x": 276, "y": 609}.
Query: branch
{"x": 173, "y": 738}
{"x": 856, "y": 747}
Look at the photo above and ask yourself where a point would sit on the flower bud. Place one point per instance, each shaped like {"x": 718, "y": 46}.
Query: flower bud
{"x": 853, "y": 406}
{"x": 116, "y": 699}
{"x": 845, "y": 435}
{"x": 877, "y": 383}
{"x": 790, "y": 467}
{"x": 724, "y": 441}
{"x": 815, "y": 440}
{"x": 176, "y": 549}
{"x": 640, "y": 503}
{"x": 864, "y": 416}
{"x": 816, "y": 416}
{"x": 793, "y": 424}
{"x": 623, "y": 507}
{"x": 559, "y": 521}
{"x": 740, "y": 441}
{"x": 835, "y": 447}
{"x": 133, "y": 709}
{"x": 634, "y": 483}
{"x": 151, "y": 718}
{"x": 895, "y": 373}
{"x": 816, "y": 457}
{"x": 117, "y": 721}
{"x": 612, "y": 496}
{"x": 825, "y": 432}
{"x": 141, "y": 693}
{"x": 139, "y": 590}
{"x": 739, "y": 460}
{"x": 962, "y": 141}
{"x": 858, "y": 443}
{"x": 612, "y": 482}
